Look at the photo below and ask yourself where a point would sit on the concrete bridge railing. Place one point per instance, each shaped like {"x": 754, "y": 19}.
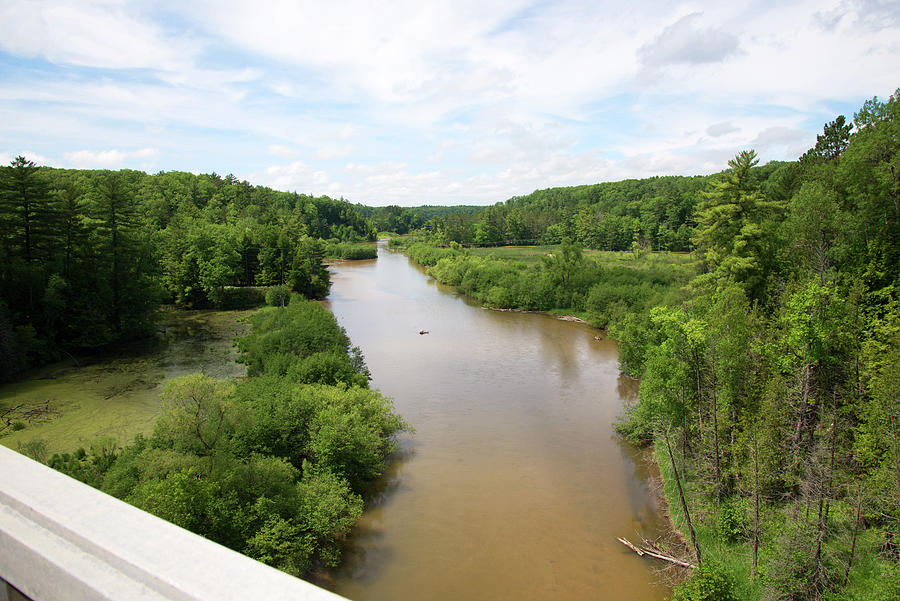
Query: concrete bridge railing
{"x": 63, "y": 540}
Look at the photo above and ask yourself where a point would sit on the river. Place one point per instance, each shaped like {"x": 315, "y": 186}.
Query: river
{"x": 514, "y": 485}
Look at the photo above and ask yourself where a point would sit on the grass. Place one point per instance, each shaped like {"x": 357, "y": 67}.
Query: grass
{"x": 607, "y": 258}
{"x": 117, "y": 395}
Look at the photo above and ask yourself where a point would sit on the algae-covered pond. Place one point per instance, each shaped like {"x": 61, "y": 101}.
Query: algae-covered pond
{"x": 116, "y": 394}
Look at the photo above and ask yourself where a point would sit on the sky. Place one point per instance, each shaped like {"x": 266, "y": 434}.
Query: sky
{"x": 454, "y": 102}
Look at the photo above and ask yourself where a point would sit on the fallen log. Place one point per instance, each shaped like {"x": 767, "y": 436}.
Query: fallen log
{"x": 650, "y": 552}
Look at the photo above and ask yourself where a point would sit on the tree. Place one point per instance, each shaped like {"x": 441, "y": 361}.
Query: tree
{"x": 26, "y": 218}
{"x": 870, "y": 178}
{"x": 831, "y": 143}
{"x": 813, "y": 228}
{"x": 877, "y": 441}
{"x": 213, "y": 248}
{"x": 351, "y": 431}
{"x": 198, "y": 414}
{"x": 123, "y": 259}
{"x": 309, "y": 274}
{"x": 563, "y": 263}
{"x": 664, "y": 392}
{"x": 729, "y": 233}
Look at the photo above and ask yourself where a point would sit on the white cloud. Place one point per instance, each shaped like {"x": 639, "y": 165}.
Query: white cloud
{"x": 781, "y": 141}
{"x": 334, "y": 151}
{"x": 295, "y": 176}
{"x": 7, "y": 157}
{"x": 685, "y": 42}
{"x": 720, "y": 129}
{"x": 89, "y": 33}
{"x": 111, "y": 159}
{"x": 285, "y": 152}
{"x": 346, "y": 132}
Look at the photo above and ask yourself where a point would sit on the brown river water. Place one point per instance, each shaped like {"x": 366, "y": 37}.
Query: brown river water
{"x": 514, "y": 485}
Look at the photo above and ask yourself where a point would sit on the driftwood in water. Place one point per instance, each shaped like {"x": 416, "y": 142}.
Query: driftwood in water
{"x": 654, "y": 553}
{"x": 37, "y": 413}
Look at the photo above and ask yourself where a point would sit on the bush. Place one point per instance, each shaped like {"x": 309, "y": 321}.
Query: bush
{"x": 330, "y": 368}
{"x": 278, "y": 295}
{"x": 301, "y": 328}
{"x": 427, "y": 255}
{"x": 733, "y": 519}
{"x": 351, "y": 251}
{"x": 242, "y": 297}
{"x": 710, "y": 582}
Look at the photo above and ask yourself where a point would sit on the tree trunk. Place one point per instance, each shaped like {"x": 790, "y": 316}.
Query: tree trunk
{"x": 687, "y": 515}
{"x": 825, "y": 495}
{"x": 853, "y": 540}
{"x": 896, "y": 454}
{"x": 755, "y": 502}
{"x": 715, "y": 412}
{"x": 684, "y": 440}
{"x": 699, "y": 390}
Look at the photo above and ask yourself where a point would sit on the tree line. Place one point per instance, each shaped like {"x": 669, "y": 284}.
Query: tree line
{"x": 86, "y": 256}
{"x": 393, "y": 219}
{"x": 655, "y": 214}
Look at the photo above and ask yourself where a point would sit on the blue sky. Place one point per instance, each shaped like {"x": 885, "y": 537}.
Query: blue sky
{"x": 463, "y": 102}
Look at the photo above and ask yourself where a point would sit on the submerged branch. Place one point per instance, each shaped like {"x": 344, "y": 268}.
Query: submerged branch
{"x": 656, "y": 554}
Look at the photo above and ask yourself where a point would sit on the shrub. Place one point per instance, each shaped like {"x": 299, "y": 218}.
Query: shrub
{"x": 732, "y": 519}
{"x": 351, "y": 251}
{"x": 710, "y": 582}
{"x": 278, "y": 295}
{"x": 242, "y": 297}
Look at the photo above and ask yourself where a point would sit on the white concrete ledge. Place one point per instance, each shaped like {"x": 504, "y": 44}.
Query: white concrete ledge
{"x": 61, "y": 539}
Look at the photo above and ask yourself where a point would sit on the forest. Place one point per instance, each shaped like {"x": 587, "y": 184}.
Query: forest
{"x": 86, "y": 257}
{"x": 770, "y": 371}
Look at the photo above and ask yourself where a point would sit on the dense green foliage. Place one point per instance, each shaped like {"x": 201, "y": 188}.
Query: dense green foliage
{"x": 709, "y": 583}
{"x": 272, "y": 466}
{"x": 86, "y": 256}
{"x": 393, "y": 219}
{"x": 561, "y": 278}
{"x": 649, "y": 214}
{"x": 350, "y": 251}
{"x": 775, "y": 382}
{"x": 304, "y": 342}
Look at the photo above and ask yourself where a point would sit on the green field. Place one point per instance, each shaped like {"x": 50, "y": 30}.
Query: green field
{"x": 607, "y": 258}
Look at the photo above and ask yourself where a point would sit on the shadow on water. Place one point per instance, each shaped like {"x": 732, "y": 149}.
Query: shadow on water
{"x": 380, "y": 491}
{"x": 627, "y": 387}
{"x": 364, "y": 552}
{"x": 640, "y": 474}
